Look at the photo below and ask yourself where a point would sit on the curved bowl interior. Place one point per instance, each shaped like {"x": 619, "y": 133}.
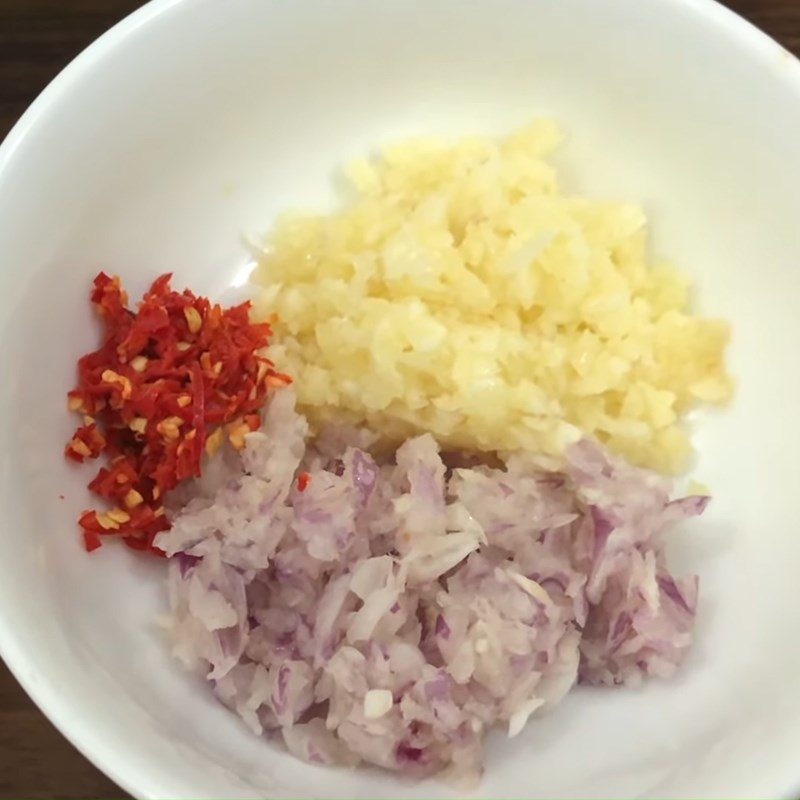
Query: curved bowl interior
{"x": 191, "y": 126}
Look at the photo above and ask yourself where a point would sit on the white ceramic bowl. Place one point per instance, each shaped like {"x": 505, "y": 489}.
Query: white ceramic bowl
{"x": 195, "y": 121}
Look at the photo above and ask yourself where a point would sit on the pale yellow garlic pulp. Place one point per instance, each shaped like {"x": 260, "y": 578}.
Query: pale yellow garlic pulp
{"x": 463, "y": 293}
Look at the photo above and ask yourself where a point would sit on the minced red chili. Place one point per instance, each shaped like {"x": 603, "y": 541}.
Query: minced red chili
{"x": 170, "y": 380}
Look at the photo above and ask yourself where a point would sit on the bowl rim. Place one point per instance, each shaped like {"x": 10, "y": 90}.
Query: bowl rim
{"x": 57, "y": 707}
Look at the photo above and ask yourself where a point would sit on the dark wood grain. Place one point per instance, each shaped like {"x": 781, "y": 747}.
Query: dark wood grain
{"x": 779, "y": 18}
{"x": 37, "y": 39}
{"x": 36, "y": 761}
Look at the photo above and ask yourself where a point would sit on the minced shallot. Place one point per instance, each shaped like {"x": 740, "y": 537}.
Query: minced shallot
{"x": 393, "y": 608}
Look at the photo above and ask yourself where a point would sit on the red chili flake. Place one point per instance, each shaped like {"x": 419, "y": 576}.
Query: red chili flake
{"x": 303, "y": 479}
{"x": 87, "y": 442}
{"x": 91, "y": 540}
{"x": 168, "y": 380}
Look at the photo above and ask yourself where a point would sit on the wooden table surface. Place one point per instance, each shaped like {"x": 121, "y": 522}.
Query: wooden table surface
{"x": 37, "y": 38}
